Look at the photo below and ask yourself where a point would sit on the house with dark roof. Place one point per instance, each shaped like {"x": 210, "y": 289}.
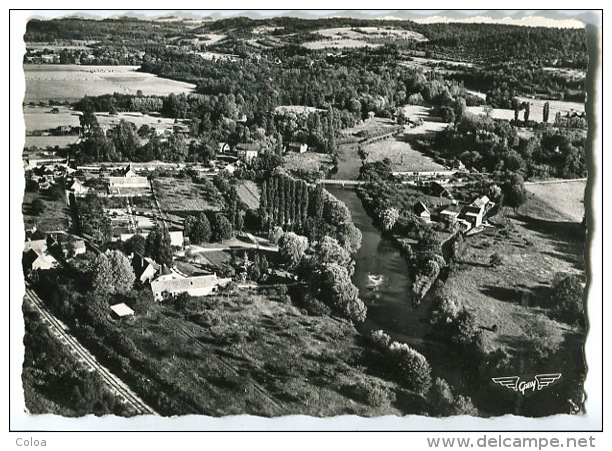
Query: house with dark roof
{"x": 421, "y": 210}
{"x": 145, "y": 269}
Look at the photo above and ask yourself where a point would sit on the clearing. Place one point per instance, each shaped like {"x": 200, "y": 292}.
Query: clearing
{"x": 249, "y": 193}
{"x": 182, "y": 195}
{"x": 307, "y": 161}
{"x": 54, "y": 217}
{"x": 256, "y": 354}
{"x": 73, "y": 82}
{"x": 107, "y": 121}
{"x": 41, "y": 117}
{"x": 562, "y": 200}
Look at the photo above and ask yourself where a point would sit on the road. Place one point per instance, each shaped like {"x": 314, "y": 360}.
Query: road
{"x": 115, "y": 384}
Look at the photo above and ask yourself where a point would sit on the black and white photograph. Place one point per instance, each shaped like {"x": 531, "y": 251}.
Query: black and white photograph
{"x": 309, "y": 214}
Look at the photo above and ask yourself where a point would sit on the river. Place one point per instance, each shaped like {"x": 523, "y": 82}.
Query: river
{"x": 388, "y": 305}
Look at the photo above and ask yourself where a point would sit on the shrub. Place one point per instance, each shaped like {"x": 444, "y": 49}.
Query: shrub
{"x": 410, "y": 366}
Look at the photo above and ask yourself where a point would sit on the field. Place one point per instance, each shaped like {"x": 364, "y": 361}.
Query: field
{"x": 307, "y": 161}
{"x": 249, "y": 193}
{"x": 41, "y": 118}
{"x": 562, "y": 201}
{"x": 159, "y": 123}
{"x": 296, "y": 109}
{"x": 255, "y": 354}
{"x": 215, "y": 259}
{"x": 535, "y": 112}
{"x": 403, "y": 156}
{"x": 361, "y": 37}
{"x": 183, "y": 195}
{"x": 42, "y": 142}
{"x": 54, "y": 217}
{"x": 69, "y": 83}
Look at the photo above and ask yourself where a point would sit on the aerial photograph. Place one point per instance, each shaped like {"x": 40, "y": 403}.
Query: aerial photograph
{"x": 344, "y": 213}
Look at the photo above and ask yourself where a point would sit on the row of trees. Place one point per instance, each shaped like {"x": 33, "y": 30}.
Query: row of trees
{"x": 308, "y": 209}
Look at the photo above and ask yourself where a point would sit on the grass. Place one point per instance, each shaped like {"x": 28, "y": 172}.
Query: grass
{"x": 42, "y": 142}
{"x": 66, "y": 82}
{"x": 563, "y": 201}
{"x": 515, "y": 295}
{"x": 256, "y": 354}
{"x": 249, "y": 193}
{"x": 184, "y": 195}
{"x": 401, "y": 153}
{"x": 159, "y": 123}
{"x": 307, "y": 161}
{"x": 55, "y": 216}
{"x": 41, "y": 118}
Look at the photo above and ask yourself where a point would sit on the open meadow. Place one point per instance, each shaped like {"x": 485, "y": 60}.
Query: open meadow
{"x": 561, "y": 200}
{"x": 401, "y": 154}
{"x": 185, "y": 196}
{"x": 71, "y": 83}
{"x": 254, "y": 354}
{"x": 41, "y": 118}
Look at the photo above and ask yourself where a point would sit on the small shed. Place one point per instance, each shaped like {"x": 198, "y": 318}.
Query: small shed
{"x": 121, "y": 310}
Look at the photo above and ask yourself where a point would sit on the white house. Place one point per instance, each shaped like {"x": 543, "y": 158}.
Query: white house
{"x": 194, "y": 286}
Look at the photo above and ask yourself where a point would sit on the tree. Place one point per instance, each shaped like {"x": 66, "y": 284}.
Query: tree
{"x": 158, "y": 247}
{"x": 568, "y": 293}
{"x": 412, "y": 368}
{"x": 336, "y": 290}
{"x": 389, "y": 217}
{"x": 37, "y": 207}
{"x": 198, "y": 229}
{"x": 112, "y": 273}
{"x": 445, "y": 403}
{"x": 221, "y": 228}
{"x": 135, "y": 245}
{"x": 545, "y": 112}
{"x": 328, "y": 250}
{"x": 515, "y": 194}
{"x": 291, "y": 248}
{"x": 496, "y": 260}
{"x": 526, "y": 113}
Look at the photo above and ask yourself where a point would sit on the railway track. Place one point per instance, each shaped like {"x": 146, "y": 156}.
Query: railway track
{"x": 115, "y": 384}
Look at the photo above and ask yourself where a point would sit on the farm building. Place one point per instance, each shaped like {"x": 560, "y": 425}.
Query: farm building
{"x": 194, "y": 286}
{"x": 449, "y": 214}
{"x": 421, "y": 210}
{"x": 39, "y": 246}
{"x": 223, "y": 147}
{"x": 475, "y": 212}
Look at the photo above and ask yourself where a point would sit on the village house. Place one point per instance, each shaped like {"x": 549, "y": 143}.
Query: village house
{"x": 449, "y": 214}
{"x": 163, "y": 288}
{"x": 297, "y": 147}
{"x": 176, "y": 238}
{"x": 145, "y": 268}
{"x": 78, "y": 188}
{"x": 421, "y": 210}
{"x": 476, "y": 211}
{"x": 128, "y": 180}
{"x": 247, "y": 152}
{"x": 34, "y": 260}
